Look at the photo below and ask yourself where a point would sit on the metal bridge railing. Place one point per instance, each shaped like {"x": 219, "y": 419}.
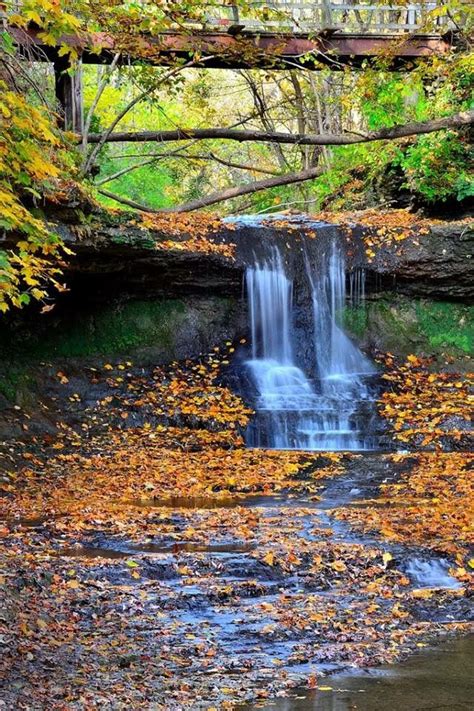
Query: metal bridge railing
{"x": 311, "y": 16}
{"x": 305, "y": 16}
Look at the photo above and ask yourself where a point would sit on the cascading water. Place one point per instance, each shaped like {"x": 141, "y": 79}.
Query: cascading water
{"x": 327, "y": 409}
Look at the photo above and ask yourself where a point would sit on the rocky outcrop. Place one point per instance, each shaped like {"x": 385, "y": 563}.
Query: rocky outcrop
{"x": 148, "y": 296}
{"x": 438, "y": 265}
{"x": 403, "y": 325}
{"x": 157, "y": 295}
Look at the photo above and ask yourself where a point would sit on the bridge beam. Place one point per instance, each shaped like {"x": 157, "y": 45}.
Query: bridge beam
{"x": 250, "y": 50}
{"x": 228, "y": 51}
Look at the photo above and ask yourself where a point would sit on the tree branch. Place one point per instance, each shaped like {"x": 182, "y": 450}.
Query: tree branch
{"x": 124, "y": 171}
{"x": 237, "y": 191}
{"x": 459, "y": 120}
{"x": 126, "y": 201}
{"x": 154, "y": 157}
{"x": 105, "y": 137}
{"x": 100, "y": 90}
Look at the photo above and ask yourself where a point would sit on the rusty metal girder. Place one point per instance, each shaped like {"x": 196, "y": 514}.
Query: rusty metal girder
{"x": 247, "y": 50}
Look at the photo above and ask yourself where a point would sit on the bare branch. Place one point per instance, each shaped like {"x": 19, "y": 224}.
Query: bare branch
{"x": 459, "y": 120}
{"x": 187, "y": 156}
{"x": 247, "y": 188}
{"x": 99, "y": 92}
{"x": 124, "y": 171}
{"x": 104, "y": 137}
{"x": 237, "y": 191}
{"x": 126, "y": 201}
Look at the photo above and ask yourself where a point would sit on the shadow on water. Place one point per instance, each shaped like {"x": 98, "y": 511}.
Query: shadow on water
{"x": 438, "y": 679}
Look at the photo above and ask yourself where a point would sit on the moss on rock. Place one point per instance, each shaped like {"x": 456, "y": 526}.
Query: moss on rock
{"x": 402, "y": 326}
{"x": 147, "y": 332}
{"x": 115, "y": 329}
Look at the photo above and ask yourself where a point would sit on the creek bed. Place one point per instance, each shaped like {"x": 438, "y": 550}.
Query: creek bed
{"x": 201, "y": 603}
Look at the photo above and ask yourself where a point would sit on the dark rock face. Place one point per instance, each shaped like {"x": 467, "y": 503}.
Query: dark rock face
{"x": 129, "y": 265}
{"x": 123, "y": 259}
{"x": 438, "y": 265}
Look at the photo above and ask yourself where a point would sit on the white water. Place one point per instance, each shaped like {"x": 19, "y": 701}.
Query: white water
{"x": 293, "y": 410}
{"x": 431, "y": 574}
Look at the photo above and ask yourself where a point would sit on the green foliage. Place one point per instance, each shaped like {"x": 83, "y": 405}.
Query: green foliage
{"x": 148, "y": 186}
{"x": 433, "y": 168}
{"x": 387, "y": 99}
{"x": 436, "y": 167}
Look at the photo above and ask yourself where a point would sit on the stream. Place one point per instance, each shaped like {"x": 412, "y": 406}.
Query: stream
{"x": 211, "y": 588}
{"x": 438, "y": 679}
{"x": 256, "y": 590}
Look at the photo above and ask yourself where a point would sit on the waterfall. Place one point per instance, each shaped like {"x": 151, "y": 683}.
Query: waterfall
{"x": 324, "y": 408}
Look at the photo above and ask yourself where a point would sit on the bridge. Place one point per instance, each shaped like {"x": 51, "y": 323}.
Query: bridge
{"x": 309, "y": 16}
{"x": 276, "y": 33}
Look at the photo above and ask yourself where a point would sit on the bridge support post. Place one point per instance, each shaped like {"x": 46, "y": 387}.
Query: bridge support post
{"x": 68, "y": 86}
{"x": 326, "y": 15}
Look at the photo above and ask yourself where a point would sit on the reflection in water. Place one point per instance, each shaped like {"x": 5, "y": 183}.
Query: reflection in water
{"x": 440, "y": 679}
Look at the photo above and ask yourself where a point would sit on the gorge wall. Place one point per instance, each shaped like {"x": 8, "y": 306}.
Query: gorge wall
{"x": 144, "y": 294}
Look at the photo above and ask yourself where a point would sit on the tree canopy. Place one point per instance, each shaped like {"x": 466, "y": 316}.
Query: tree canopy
{"x": 154, "y": 131}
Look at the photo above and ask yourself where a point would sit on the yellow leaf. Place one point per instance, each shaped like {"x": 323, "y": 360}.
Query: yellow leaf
{"x": 269, "y": 559}
{"x": 423, "y": 593}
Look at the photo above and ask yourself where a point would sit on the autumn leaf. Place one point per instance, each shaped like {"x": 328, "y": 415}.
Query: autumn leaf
{"x": 422, "y": 593}
{"x": 269, "y": 558}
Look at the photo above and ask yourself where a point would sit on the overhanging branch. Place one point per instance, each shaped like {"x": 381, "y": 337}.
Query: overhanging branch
{"x": 459, "y": 120}
{"x": 237, "y": 191}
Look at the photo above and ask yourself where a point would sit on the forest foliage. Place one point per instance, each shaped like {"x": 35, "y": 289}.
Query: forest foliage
{"x": 40, "y": 163}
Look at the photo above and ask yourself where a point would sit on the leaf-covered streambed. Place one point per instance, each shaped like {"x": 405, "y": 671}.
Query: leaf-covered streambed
{"x": 150, "y": 561}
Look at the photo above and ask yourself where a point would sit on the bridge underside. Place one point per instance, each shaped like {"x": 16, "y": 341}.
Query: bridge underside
{"x": 250, "y": 50}
{"x": 224, "y": 50}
